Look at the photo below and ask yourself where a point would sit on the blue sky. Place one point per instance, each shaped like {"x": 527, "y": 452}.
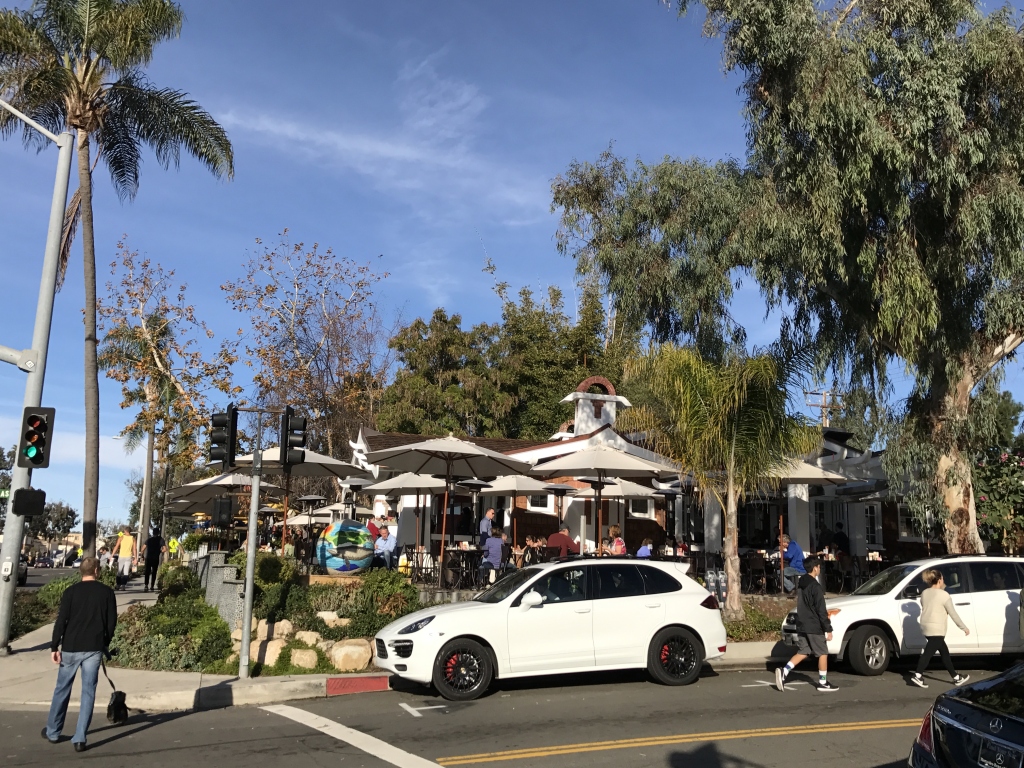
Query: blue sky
{"x": 424, "y": 133}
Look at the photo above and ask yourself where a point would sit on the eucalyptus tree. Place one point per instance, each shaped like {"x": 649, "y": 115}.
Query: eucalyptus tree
{"x": 727, "y": 424}
{"x": 79, "y": 65}
{"x": 880, "y": 208}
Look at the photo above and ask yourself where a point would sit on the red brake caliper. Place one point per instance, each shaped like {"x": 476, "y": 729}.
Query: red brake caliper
{"x": 449, "y": 668}
{"x": 664, "y": 653}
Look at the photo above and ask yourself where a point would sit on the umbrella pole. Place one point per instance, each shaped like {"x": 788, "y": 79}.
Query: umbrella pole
{"x": 444, "y": 521}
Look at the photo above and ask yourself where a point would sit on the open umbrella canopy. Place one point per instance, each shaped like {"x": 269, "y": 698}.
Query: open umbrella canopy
{"x": 314, "y": 465}
{"x": 805, "y": 472}
{"x": 311, "y": 497}
{"x": 450, "y": 457}
{"x": 621, "y": 489}
{"x": 210, "y": 488}
{"x": 409, "y": 483}
{"x": 604, "y": 461}
{"x": 517, "y": 484}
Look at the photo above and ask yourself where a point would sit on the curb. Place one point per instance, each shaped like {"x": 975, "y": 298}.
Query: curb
{"x": 238, "y": 692}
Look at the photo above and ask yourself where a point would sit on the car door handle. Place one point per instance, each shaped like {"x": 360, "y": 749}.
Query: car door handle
{"x": 963, "y": 603}
{"x": 653, "y": 605}
{"x": 582, "y": 610}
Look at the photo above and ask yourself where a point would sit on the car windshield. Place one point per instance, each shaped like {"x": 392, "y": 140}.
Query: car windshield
{"x": 886, "y": 581}
{"x": 506, "y": 585}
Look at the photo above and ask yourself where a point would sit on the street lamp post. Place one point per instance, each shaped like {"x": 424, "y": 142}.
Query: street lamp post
{"x": 33, "y": 362}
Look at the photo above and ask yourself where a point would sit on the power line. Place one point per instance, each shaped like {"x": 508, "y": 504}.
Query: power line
{"x": 827, "y": 401}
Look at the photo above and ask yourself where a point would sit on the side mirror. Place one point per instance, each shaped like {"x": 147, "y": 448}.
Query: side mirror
{"x": 531, "y": 600}
{"x": 912, "y": 592}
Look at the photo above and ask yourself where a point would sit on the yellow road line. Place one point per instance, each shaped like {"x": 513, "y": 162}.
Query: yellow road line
{"x": 683, "y": 738}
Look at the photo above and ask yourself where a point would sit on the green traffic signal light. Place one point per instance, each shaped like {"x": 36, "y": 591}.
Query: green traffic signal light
{"x": 31, "y": 451}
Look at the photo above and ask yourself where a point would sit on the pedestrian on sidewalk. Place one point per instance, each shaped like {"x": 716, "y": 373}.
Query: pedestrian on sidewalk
{"x": 812, "y": 625}
{"x": 936, "y": 605}
{"x": 128, "y": 553}
{"x": 151, "y": 552}
{"x": 85, "y": 625}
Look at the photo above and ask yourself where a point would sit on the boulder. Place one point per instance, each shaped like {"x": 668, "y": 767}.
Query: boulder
{"x": 305, "y": 658}
{"x": 325, "y": 645}
{"x": 237, "y": 635}
{"x": 308, "y": 638}
{"x": 331, "y": 619}
{"x": 351, "y": 655}
{"x": 275, "y": 630}
{"x": 327, "y": 615}
{"x": 233, "y": 658}
{"x": 265, "y": 651}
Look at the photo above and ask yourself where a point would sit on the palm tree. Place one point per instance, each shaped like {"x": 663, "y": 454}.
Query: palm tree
{"x": 78, "y": 65}
{"x": 726, "y": 424}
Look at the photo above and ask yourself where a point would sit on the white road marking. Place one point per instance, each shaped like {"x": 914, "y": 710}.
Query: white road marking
{"x": 766, "y": 684}
{"x": 359, "y": 740}
{"x": 415, "y": 711}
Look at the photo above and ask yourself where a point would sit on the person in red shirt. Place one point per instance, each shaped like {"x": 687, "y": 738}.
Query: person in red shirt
{"x": 561, "y": 540}
{"x": 374, "y": 530}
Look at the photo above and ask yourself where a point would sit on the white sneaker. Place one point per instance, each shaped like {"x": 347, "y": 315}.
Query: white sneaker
{"x": 918, "y": 681}
{"x": 780, "y": 679}
{"x": 961, "y": 679}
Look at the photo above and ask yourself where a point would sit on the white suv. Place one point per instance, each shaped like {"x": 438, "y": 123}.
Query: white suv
{"x": 579, "y": 615}
{"x": 881, "y": 617}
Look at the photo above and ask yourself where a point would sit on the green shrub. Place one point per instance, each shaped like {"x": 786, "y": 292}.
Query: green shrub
{"x": 270, "y": 568}
{"x": 108, "y": 576}
{"x": 173, "y": 579}
{"x": 178, "y": 633}
{"x": 51, "y": 592}
{"x": 383, "y": 597}
{"x": 331, "y": 597}
{"x": 756, "y": 626}
{"x": 29, "y": 613}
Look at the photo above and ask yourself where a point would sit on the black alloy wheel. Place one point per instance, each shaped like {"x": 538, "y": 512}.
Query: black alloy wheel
{"x": 675, "y": 657}
{"x": 463, "y": 670}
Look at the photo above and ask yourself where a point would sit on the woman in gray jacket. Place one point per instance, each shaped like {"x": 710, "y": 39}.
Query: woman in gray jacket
{"x": 936, "y": 605}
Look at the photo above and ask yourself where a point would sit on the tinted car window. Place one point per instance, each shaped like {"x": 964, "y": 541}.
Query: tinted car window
{"x": 994, "y": 577}
{"x": 566, "y": 585}
{"x": 1002, "y": 695}
{"x": 617, "y": 580}
{"x": 952, "y": 573}
{"x": 886, "y": 581}
{"x": 507, "y": 585}
{"x": 657, "y": 581}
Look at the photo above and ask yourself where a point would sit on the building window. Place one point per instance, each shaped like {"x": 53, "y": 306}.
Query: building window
{"x": 912, "y": 527}
{"x": 872, "y": 525}
{"x": 640, "y": 508}
{"x": 539, "y": 503}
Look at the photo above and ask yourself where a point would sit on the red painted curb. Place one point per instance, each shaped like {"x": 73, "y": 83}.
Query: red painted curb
{"x": 340, "y": 686}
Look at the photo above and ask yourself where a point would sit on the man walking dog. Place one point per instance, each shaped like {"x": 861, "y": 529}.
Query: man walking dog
{"x": 83, "y": 630}
{"x": 813, "y": 626}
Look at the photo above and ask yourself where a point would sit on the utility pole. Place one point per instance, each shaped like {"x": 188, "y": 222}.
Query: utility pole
{"x": 822, "y": 402}
{"x": 250, "y": 552}
{"x": 33, "y": 362}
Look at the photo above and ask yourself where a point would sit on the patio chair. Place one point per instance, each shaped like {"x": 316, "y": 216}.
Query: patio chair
{"x": 757, "y": 575}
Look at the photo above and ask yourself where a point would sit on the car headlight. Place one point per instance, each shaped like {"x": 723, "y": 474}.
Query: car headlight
{"x": 416, "y": 626}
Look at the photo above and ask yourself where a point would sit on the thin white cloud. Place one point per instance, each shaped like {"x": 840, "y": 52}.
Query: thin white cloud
{"x": 68, "y": 448}
{"x": 429, "y": 158}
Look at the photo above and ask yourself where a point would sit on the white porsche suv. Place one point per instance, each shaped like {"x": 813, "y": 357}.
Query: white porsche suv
{"x": 576, "y": 615}
{"x": 881, "y": 617}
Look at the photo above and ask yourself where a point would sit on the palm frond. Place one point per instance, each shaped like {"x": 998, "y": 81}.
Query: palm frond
{"x": 72, "y": 217}
{"x": 168, "y": 120}
{"x": 128, "y": 33}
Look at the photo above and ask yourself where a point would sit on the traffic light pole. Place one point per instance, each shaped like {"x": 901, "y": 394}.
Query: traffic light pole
{"x": 250, "y": 554}
{"x": 33, "y": 362}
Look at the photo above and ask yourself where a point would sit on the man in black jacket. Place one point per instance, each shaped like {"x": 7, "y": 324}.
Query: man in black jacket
{"x": 84, "y": 627}
{"x": 813, "y": 626}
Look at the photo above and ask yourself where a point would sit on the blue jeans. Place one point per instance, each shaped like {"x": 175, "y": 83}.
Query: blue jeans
{"x": 790, "y": 577}
{"x": 89, "y": 661}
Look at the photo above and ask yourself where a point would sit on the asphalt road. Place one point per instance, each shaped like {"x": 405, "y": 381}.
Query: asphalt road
{"x": 39, "y": 576}
{"x": 731, "y": 720}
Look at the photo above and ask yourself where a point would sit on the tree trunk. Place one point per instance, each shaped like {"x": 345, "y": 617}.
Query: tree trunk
{"x": 733, "y": 599}
{"x": 956, "y": 485}
{"x": 90, "y": 500}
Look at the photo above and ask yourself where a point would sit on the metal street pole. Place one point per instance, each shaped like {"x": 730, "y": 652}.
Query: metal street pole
{"x": 147, "y": 487}
{"x": 33, "y": 362}
{"x": 250, "y": 554}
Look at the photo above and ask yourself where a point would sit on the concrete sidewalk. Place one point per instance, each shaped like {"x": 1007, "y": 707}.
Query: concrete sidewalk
{"x": 28, "y": 675}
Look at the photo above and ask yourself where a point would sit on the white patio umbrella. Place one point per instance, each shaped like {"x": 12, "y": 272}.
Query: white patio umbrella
{"x": 620, "y": 489}
{"x": 516, "y": 484}
{"x": 450, "y": 457}
{"x": 802, "y": 472}
{"x": 409, "y": 482}
{"x": 210, "y": 488}
{"x": 605, "y": 462}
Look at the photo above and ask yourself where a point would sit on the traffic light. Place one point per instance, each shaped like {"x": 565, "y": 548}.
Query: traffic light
{"x": 34, "y": 448}
{"x": 222, "y": 512}
{"x": 28, "y": 502}
{"x": 224, "y": 437}
{"x": 293, "y": 438}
